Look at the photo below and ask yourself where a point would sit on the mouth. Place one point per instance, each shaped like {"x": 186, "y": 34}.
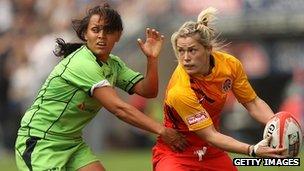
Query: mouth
{"x": 101, "y": 44}
{"x": 188, "y": 66}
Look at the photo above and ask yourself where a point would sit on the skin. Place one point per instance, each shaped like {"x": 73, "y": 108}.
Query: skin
{"x": 195, "y": 59}
{"x": 101, "y": 44}
{"x": 259, "y": 110}
{"x": 193, "y": 56}
{"x": 98, "y": 40}
{"x": 148, "y": 87}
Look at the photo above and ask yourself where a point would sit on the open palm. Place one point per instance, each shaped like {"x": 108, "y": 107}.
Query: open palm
{"x": 153, "y": 44}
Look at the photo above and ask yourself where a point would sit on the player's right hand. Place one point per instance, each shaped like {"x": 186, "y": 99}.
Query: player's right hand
{"x": 175, "y": 140}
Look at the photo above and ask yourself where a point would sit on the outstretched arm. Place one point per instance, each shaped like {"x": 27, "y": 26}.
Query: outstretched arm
{"x": 211, "y": 135}
{"x": 259, "y": 110}
{"x": 127, "y": 113}
{"x": 148, "y": 87}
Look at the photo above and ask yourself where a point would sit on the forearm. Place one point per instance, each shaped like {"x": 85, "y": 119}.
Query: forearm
{"x": 131, "y": 115}
{"x": 228, "y": 143}
{"x": 150, "y": 82}
{"x": 259, "y": 110}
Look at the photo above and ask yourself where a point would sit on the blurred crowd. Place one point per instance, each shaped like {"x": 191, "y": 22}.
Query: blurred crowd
{"x": 265, "y": 35}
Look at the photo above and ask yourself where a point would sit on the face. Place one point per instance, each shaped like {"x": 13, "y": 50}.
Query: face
{"x": 99, "y": 41}
{"x": 193, "y": 56}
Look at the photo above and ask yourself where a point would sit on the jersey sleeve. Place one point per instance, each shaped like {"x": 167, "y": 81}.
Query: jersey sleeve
{"x": 126, "y": 77}
{"x": 241, "y": 86}
{"x": 84, "y": 74}
{"x": 187, "y": 106}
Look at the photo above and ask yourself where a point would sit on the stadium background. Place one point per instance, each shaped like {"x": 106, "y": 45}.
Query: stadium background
{"x": 266, "y": 35}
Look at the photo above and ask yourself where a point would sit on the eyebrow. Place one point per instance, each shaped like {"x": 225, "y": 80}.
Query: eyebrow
{"x": 193, "y": 46}
{"x": 97, "y": 24}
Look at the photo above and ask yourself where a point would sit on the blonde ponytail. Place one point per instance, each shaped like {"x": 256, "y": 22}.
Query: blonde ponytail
{"x": 206, "y": 16}
{"x": 201, "y": 30}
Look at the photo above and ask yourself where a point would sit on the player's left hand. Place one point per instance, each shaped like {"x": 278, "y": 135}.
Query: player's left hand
{"x": 153, "y": 44}
{"x": 175, "y": 140}
{"x": 262, "y": 149}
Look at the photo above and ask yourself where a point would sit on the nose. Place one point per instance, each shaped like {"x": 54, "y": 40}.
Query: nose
{"x": 101, "y": 33}
{"x": 187, "y": 57}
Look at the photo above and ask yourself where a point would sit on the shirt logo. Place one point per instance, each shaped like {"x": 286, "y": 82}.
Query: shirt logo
{"x": 201, "y": 153}
{"x": 227, "y": 85}
{"x": 198, "y": 117}
{"x": 81, "y": 106}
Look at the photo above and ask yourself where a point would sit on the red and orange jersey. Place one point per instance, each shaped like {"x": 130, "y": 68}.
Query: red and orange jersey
{"x": 193, "y": 103}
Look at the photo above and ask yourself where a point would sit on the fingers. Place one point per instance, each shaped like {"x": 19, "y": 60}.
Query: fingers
{"x": 180, "y": 145}
{"x": 263, "y": 143}
{"x": 271, "y": 152}
{"x": 177, "y": 141}
{"x": 279, "y": 150}
{"x": 276, "y": 156}
{"x": 140, "y": 43}
{"x": 154, "y": 34}
{"x": 147, "y": 32}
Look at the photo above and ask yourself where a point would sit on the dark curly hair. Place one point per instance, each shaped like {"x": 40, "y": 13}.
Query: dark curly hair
{"x": 113, "y": 23}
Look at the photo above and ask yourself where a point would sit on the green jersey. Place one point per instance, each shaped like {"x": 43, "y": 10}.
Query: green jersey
{"x": 64, "y": 104}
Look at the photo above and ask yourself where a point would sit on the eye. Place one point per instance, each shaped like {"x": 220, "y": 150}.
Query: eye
{"x": 180, "y": 51}
{"x": 109, "y": 31}
{"x": 192, "y": 50}
{"x": 95, "y": 29}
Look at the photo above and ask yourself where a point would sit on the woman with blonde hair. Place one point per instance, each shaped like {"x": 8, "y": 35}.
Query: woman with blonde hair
{"x": 195, "y": 96}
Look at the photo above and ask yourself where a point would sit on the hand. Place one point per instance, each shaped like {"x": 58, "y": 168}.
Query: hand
{"x": 174, "y": 139}
{"x": 262, "y": 149}
{"x": 154, "y": 42}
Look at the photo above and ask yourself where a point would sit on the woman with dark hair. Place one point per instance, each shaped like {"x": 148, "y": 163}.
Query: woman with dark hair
{"x": 50, "y": 136}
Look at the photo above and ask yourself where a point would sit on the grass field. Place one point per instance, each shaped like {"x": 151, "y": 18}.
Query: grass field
{"x": 139, "y": 160}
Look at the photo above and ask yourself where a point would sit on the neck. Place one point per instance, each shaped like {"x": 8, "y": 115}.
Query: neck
{"x": 208, "y": 69}
{"x": 102, "y": 58}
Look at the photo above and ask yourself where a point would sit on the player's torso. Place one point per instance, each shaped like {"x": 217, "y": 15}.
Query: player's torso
{"x": 211, "y": 92}
{"x": 61, "y": 108}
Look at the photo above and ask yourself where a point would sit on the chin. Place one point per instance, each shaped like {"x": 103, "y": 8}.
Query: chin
{"x": 100, "y": 53}
{"x": 191, "y": 72}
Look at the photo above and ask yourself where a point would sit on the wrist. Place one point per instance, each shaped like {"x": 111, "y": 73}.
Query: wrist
{"x": 152, "y": 58}
{"x": 161, "y": 131}
{"x": 251, "y": 151}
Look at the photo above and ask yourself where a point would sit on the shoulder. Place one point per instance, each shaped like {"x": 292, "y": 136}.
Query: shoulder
{"x": 82, "y": 54}
{"x": 228, "y": 61}
{"x": 225, "y": 57}
{"x": 81, "y": 60}
{"x": 115, "y": 58}
{"x": 180, "y": 94}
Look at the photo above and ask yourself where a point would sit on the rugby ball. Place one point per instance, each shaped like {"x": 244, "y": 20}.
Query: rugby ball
{"x": 286, "y": 133}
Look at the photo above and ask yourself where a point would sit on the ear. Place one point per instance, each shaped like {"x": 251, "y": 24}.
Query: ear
{"x": 85, "y": 36}
{"x": 209, "y": 48}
